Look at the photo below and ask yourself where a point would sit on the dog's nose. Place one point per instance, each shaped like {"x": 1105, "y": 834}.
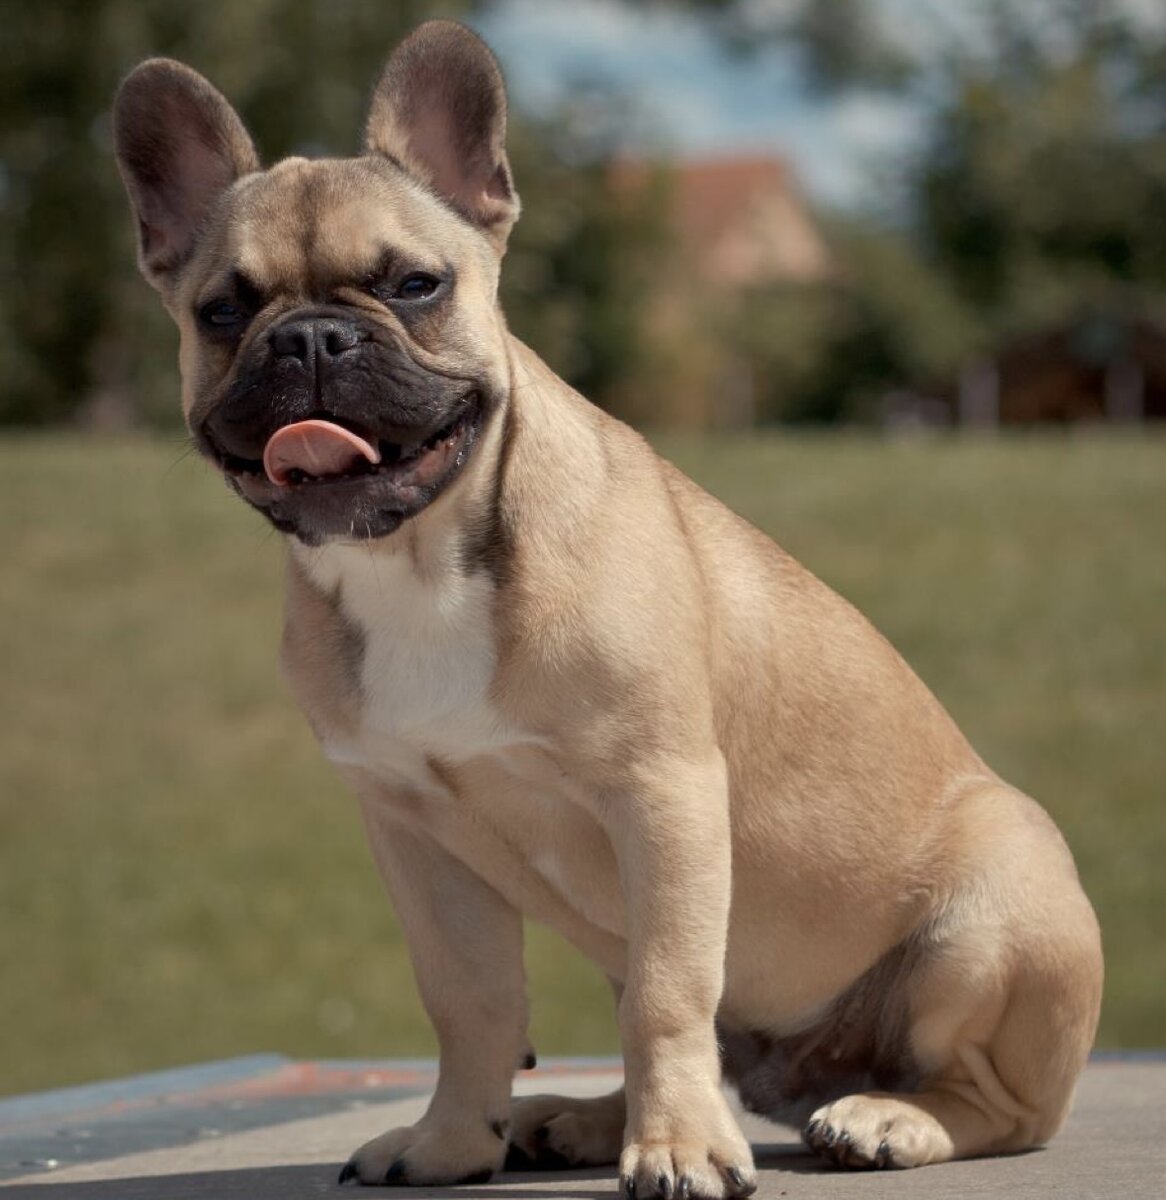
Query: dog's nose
{"x": 314, "y": 338}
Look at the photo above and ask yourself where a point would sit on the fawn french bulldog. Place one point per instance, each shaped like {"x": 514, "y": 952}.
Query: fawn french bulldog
{"x": 566, "y": 683}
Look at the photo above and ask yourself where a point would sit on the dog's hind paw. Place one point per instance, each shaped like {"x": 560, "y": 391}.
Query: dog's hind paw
{"x": 871, "y": 1132}
{"x": 552, "y": 1132}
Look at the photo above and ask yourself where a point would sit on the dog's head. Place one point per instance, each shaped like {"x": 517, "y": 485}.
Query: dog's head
{"x": 342, "y": 351}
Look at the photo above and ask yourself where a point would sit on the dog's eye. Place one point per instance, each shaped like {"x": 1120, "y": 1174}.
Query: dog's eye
{"x": 418, "y": 286}
{"x": 221, "y": 314}
{"x": 411, "y": 288}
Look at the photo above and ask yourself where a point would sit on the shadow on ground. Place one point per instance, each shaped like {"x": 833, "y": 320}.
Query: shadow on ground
{"x": 279, "y": 1183}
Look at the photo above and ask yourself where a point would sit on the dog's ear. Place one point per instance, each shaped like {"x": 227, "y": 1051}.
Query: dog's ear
{"x": 179, "y": 144}
{"x": 439, "y": 111}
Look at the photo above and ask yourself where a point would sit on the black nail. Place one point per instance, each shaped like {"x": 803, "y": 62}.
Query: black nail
{"x": 664, "y": 1186}
{"x": 883, "y": 1157}
{"x": 395, "y": 1173}
{"x": 744, "y": 1187}
{"x": 627, "y": 1187}
{"x": 498, "y": 1129}
{"x": 828, "y": 1135}
{"x": 348, "y": 1171}
{"x": 811, "y": 1130}
{"x": 530, "y": 1061}
{"x": 683, "y": 1188}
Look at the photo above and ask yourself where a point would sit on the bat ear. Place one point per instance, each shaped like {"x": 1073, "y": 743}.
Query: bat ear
{"x": 439, "y": 111}
{"x": 179, "y": 145}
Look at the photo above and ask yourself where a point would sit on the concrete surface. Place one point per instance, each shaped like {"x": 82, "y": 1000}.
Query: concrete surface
{"x": 267, "y": 1128}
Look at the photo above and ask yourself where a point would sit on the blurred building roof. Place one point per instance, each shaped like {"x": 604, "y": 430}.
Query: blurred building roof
{"x": 742, "y": 221}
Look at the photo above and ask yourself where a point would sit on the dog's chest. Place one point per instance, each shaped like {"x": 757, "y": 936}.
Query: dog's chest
{"x": 427, "y": 665}
{"x": 427, "y": 661}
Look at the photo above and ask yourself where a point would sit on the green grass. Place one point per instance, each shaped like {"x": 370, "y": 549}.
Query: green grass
{"x": 181, "y": 877}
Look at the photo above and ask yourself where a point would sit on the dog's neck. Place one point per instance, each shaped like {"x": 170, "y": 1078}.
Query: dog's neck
{"x": 561, "y": 431}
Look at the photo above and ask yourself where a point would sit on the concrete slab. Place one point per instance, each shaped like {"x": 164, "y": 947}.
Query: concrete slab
{"x": 266, "y": 1128}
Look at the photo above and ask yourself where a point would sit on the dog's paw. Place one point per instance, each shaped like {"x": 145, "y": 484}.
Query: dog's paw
{"x": 552, "y": 1132}
{"x": 865, "y": 1132}
{"x": 429, "y": 1154}
{"x": 692, "y": 1161}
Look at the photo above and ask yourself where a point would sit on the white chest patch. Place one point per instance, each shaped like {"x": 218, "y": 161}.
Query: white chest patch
{"x": 429, "y": 659}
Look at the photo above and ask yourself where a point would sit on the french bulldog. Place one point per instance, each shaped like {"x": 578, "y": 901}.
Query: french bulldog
{"x": 567, "y": 684}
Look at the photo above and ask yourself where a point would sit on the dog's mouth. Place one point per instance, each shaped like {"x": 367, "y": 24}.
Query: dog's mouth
{"x": 327, "y": 450}
{"x": 326, "y": 475}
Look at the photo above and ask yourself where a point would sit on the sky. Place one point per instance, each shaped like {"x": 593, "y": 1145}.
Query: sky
{"x": 694, "y": 96}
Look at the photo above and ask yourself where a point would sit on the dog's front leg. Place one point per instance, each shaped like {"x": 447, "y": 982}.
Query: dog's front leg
{"x": 672, "y": 839}
{"x": 465, "y": 943}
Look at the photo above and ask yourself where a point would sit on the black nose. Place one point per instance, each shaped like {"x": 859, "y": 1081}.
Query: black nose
{"x": 313, "y": 338}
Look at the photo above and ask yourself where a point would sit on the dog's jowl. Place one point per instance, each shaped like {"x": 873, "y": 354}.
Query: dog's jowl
{"x": 566, "y": 683}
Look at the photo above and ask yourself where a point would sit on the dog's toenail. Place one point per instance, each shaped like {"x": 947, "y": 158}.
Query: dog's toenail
{"x": 664, "y": 1186}
{"x": 743, "y": 1186}
{"x": 348, "y": 1171}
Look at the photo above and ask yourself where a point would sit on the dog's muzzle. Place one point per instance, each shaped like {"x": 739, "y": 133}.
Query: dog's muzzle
{"x": 331, "y": 431}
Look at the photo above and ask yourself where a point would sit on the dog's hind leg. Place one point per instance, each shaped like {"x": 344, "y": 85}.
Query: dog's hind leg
{"x": 549, "y": 1132}
{"x": 1001, "y": 1017}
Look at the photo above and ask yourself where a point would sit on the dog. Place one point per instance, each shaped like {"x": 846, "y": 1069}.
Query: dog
{"x": 565, "y": 683}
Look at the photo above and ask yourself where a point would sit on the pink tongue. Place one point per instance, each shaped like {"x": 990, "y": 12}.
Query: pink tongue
{"x": 317, "y": 448}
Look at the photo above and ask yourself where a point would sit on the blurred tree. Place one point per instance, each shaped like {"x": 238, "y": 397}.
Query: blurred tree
{"x": 1043, "y": 180}
{"x": 79, "y": 334}
{"x": 830, "y": 352}
{"x": 584, "y": 260}
{"x": 1035, "y": 196}
{"x": 82, "y": 338}
{"x": 842, "y": 44}
{"x": 1038, "y": 190}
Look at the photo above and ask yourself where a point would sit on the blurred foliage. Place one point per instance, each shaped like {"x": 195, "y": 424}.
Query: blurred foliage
{"x": 81, "y": 337}
{"x": 829, "y": 352}
{"x": 79, "y": 332}
{"x": 1044, "y": 177}
{"x": 841, "y": 43}
{"x": 1034, "y": 195}
{"x": 582, "y": 259}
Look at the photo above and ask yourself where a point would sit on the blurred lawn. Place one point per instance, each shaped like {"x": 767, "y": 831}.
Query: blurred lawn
{"x": 181, "y": 878}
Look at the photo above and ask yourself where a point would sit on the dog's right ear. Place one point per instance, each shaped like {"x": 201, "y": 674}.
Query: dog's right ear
{"x": 179, "y": 144}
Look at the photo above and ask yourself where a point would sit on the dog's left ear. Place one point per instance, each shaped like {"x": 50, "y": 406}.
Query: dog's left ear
{"x": 439, "y": 111}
